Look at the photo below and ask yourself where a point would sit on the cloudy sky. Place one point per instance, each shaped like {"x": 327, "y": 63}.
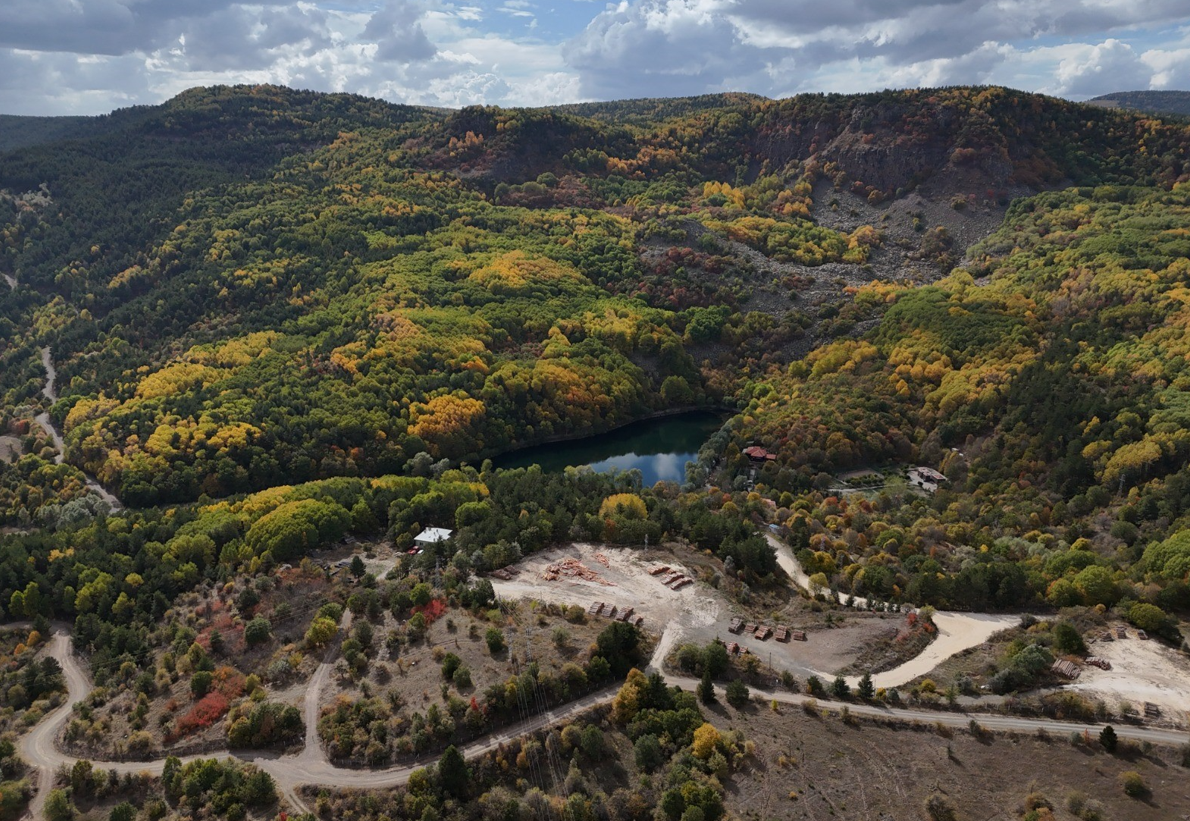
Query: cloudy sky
{"x": 90, "y": 56}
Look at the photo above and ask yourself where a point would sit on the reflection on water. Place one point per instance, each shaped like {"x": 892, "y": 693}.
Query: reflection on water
{"x": 658, "y": 448}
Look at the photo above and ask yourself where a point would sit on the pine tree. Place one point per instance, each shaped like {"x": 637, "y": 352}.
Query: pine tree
{"x": 706, "y": 689}
{"x": 453, "y": 774}
{"x": 737, "y": 693}
{"x": 866, "y": 689}
{"x": 1108, "y": 738}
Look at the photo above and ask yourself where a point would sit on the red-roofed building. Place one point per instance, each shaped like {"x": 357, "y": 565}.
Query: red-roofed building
{"x": 758, "y": 454}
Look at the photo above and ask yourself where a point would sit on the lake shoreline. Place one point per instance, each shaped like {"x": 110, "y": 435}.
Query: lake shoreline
{"x": 659, "y": 445}
{"x": 714, "y": 410}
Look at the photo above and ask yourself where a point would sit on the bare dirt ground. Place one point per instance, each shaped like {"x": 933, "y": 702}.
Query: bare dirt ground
{"x": 10, "y": 449}
{"x": 624, "y": 581}
{"x": 695, "y": 615}
{"x": 699, "y": 613}
{"x": 821, "y": 768}
{"x": 1141, "y": 671}
{"x": 956, "y": 632}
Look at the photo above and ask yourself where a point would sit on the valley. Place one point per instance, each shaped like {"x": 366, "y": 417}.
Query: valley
{"x": 615, "y": 461}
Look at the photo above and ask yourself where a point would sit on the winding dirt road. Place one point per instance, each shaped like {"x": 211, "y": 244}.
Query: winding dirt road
{"x": 47, "y": 424}
{"x": 956, "y": 631}
{"x": 312, "y": 767}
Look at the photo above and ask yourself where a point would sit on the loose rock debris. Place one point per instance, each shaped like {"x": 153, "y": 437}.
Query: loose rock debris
{"x": 573, "y": 569}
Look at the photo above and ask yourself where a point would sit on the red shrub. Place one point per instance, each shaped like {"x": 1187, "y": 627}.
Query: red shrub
{"x": 205, "y": 712}
{"x": 431, "y": 612}
{"x": 229, "y": 682}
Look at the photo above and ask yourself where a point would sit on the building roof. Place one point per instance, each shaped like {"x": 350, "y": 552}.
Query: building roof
{"x": 929, "y": 473}
{"x": 757, "y": 452}
{"x": 433, "y": 534}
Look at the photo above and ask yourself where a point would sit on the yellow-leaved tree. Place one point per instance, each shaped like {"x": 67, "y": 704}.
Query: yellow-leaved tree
{"x": 706, "y": 739}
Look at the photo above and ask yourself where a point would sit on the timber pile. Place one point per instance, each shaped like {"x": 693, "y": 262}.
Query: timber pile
{"x": 658, "y": 570}
{"x": 1101, "y": 663}
{"x": 572, "y": 569}
{"x": 1066, "y": 668}
{"x": 602, "y": 559}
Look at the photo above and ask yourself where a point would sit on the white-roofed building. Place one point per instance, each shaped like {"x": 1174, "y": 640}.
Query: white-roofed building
{"x": 432, "y": 536}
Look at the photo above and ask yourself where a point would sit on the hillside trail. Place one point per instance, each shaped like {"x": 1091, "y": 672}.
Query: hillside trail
{"x": 312, "y": 767}
{"x": 956, "y": 631}
{"x": 47, "y": 424}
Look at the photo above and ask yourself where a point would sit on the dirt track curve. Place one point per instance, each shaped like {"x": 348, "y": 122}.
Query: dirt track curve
{"x": 312, "y": 767}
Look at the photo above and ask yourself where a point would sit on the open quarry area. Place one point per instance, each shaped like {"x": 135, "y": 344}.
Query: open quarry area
{"x": 838, "y": 642}
{"x": 584, "y": 574}
{"x": 1140, "y": 672}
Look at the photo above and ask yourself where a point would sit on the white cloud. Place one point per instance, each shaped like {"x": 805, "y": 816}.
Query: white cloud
{"x": 1171, "y": 68}
{"x": 396, "y": 29}
{"x": 1109, "y": 66}
{"x": 88, "y": 56}
{"x": 661, "y": 48}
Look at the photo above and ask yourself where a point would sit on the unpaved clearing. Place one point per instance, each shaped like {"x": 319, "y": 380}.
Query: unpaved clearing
{"x": 624, "y": 581}
{"x": 1141, "y": 671}
{"x": 581, "y": 573}
{"x": 10, "y": 449}
{"x": 956, "y": 632}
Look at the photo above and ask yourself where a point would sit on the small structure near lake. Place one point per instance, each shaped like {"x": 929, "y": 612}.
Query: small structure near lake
{"x": 758, "y": 454}
{"x": 927, "y": 479}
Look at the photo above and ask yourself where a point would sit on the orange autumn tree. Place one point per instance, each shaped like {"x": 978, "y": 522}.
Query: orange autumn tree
{"x": 449, "y": 426}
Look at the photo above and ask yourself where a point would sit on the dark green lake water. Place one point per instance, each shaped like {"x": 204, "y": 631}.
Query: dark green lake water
{"x": 658, "y": 448}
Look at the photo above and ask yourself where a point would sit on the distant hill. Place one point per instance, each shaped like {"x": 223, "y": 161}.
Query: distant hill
{"x": 651, "y": 110}
{"x": 1155, "y": 102}
{"x": 270, "y": 265}
{"x": 22, "y": 132}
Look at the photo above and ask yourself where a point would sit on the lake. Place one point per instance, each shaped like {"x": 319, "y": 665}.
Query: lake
{"x": 658, "y": 448}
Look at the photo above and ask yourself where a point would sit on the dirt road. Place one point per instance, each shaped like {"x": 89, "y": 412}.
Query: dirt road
{"x": 960, "y": 720}
{"x": 47, "y": 424}
{"x": 956, "y": 631}
{"x": 311, "y": 766}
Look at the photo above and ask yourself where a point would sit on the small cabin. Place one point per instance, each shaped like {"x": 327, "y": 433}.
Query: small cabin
{"x": 758, "y": 454}
{"x": 432, "y": 536}
{"x": 927, "y": 479}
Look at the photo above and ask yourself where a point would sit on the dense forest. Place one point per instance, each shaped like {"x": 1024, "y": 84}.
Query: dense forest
{"x": 282, "y": 321}
{"x": 246, "y": 289}
{"x": 1154, "y": 102}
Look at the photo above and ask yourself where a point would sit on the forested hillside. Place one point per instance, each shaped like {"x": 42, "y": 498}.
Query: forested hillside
{"x": 1154, "y": 102}
{"x": 290, "y": 331}
{"x": 252, "y": 287}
